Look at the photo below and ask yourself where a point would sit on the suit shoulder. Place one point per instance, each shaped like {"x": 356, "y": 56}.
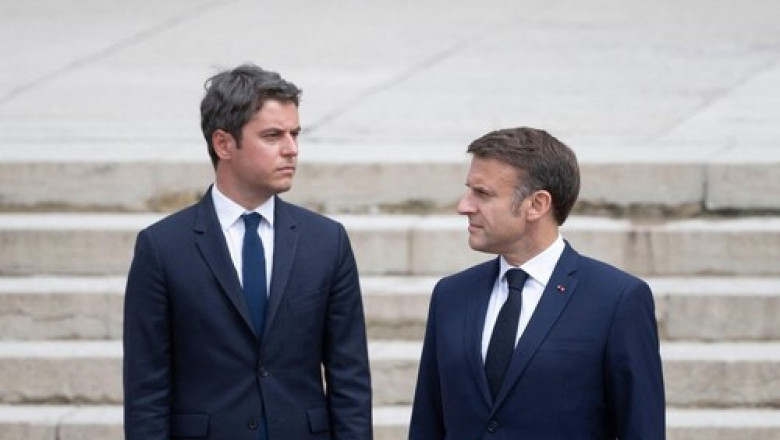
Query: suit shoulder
{"x": 174, "y": 222}
{"x": 311, "y": 222}
{"x": 311, "y": 226}
{"x": 487, "y": 269}
{"x": 608, "y": 276}
{"x": 306, "y": 215}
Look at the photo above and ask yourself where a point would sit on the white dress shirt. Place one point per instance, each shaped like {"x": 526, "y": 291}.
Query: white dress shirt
{"x": 229, "y": 214}
{"x": 539, "y": 270}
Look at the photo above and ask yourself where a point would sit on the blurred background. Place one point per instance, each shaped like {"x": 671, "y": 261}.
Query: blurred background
{"x": 671, "y": 106}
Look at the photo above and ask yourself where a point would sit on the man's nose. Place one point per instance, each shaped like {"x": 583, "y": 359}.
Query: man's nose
{"x": 290, "y": 147}
{"x": 465, "y": 206}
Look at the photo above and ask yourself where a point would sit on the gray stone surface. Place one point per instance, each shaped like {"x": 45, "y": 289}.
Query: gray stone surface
{"x": 722, "y": 374}
{"x": 396, "y": 307}
{"x": 696, "y": 375}
{"x": 688, "y": 309}
{"x": 415, "y": 245}
{"x": 92, "y": 423}
{"x": 61, "y": 372}
{"x": 703, "y": 375}
{"x": 745, "y": 179}
{"x": 100, "y": 186}
{"x": 390, "y": 423}
{"x": 603, "y": 73}
{"x": 633, "y": 75}
{"x": 718, "y": 309}
{"x": 396, "y": 179}
{"x": 51, "y": 308}
{"x": 720, "y": 424}
{"x": 34, "y": 423}
{"x": 68, "y": 244}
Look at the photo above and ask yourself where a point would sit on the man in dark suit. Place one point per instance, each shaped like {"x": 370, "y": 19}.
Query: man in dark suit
{"x": 541, "y": 343}
{"x": 243, "y": 313}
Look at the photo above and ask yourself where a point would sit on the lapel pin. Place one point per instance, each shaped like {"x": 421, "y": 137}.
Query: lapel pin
{"x": 561, "y": 288}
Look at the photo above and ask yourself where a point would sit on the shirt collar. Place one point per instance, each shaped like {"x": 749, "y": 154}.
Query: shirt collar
{"x": 542, "y": 265}
{"x": 229, "y": 212}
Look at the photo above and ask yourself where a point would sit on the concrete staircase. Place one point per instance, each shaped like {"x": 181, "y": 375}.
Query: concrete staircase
{"x": 711, "y": 254}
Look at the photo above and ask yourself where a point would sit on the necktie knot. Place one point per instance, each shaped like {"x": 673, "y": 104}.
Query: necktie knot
{"x": 251, "y": 221}
{"x": 516, "y": 278}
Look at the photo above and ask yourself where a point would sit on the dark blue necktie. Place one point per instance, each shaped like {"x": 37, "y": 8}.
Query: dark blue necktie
{"x": 253, "y": 271}
{"x": 502, "y": 341}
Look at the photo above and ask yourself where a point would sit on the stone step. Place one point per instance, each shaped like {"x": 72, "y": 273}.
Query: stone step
{"x": 697, "y": 308}
{"x": 57, "y": 243}
{"x": 697, "y": 375}
{"x": 56, "y": 308}
{"x": 388, "y": 179}
{"x": 391, "y": 423}
{"x": 50, "y": 422}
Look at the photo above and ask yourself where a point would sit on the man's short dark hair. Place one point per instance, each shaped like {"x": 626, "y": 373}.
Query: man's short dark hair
{"x": 543, "y": 162}
{"x": 234, "y": 96}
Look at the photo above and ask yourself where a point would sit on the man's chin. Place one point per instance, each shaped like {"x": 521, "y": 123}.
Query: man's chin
{"x": 283, "y": 188}
{"x": 475, "y": 244}
{"x": 480, "y": 246}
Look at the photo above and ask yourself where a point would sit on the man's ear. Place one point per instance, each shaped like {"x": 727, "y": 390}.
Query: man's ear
{"x": 541, "y": 205}
{"x": 224, "y": 144}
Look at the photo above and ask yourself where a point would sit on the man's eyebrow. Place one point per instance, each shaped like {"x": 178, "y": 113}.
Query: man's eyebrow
{"x": 480, "y": 188}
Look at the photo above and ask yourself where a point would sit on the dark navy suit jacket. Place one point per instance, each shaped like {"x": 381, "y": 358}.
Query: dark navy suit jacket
{"x": 587, "y": 366}
{"x": 194, "y": 367}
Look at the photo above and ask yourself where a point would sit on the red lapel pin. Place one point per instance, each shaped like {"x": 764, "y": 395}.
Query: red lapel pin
{"x": 561, "y": 288}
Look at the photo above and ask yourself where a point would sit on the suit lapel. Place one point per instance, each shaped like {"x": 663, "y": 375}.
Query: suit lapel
{"x": 213, "y": 248}
{"x": 285, "y": 244}
{"x": 478, "y": 296}
{"x": 544, "y": 317}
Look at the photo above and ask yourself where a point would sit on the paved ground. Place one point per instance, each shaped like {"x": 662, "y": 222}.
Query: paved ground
{"x": 667, "y": 76}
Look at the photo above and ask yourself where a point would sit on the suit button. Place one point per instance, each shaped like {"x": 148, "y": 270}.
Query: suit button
{"x": 492, "y": 426}
{"x": 263, "y": 372}
{"x": 253, "y": 424}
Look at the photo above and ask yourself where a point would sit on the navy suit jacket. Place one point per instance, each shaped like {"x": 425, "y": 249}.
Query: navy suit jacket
{"x": 586, "y": 367}
{"x": 194, "y": 367}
